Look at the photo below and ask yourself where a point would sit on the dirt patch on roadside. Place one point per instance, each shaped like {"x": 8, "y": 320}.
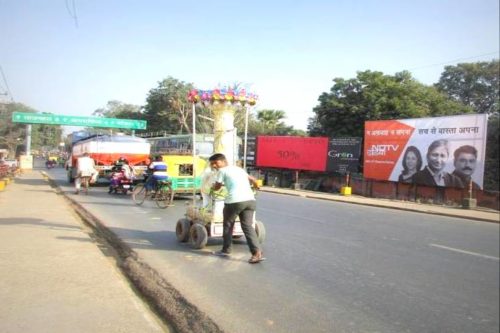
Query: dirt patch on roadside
{"x": 171, "y": 307}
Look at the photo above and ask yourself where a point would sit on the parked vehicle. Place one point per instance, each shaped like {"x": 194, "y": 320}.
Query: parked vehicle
{"x": 11, "y": 163}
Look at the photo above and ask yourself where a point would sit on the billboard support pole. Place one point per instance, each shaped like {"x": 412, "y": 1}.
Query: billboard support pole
{"x": 470, "y": 202}
{"x": 296, "y": 186}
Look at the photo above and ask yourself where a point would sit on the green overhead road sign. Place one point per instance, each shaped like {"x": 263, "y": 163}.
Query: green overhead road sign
{"x": 53, "y": 119}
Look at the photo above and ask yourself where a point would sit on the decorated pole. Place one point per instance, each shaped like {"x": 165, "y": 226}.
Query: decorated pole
{"x": 223, "y": 103}
{"x": 193, "y": 145}
{"x": 246, "y": 138}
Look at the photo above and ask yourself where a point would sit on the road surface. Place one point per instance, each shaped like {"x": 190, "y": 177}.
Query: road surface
{"x": 332, "y": 267}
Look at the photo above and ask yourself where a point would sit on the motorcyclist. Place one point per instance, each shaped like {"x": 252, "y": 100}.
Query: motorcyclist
{"x": 50, "y": 163}
{"x": 120, "y": 171}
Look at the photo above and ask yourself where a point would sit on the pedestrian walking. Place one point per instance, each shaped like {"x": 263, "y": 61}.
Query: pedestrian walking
{"x": 85, "y": 167}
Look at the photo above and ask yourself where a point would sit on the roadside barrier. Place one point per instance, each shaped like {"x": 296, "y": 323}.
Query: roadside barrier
{"x": 6, "y": 175}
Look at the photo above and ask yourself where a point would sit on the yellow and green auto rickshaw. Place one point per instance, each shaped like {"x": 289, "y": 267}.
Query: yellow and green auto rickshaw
{"x": 180, "y": 172}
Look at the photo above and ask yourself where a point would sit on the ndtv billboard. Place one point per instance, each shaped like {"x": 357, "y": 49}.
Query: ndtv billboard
{"x": 441, "y": 151}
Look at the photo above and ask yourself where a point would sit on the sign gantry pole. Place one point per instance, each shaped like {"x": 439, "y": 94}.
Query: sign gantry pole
{"x": 28, "y": 139}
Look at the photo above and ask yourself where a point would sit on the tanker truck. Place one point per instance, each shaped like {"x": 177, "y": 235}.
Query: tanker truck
{"x": 105, "y": 150}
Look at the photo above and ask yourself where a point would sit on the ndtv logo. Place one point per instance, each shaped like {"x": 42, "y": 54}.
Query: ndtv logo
{"x": 380, "y": 150}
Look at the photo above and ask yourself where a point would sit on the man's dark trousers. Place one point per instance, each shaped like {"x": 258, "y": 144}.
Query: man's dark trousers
{"x": 245, "y": 210}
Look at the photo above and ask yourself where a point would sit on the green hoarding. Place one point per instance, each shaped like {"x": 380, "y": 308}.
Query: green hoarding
{"x": 53, "y": 119}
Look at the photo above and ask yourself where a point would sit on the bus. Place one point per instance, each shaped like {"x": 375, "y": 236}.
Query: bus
{"x": 181, "y": 144}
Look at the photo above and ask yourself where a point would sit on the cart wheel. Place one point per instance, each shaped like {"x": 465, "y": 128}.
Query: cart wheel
{"x": 261, "y": 231}
{"x": 198, "y": 236}
{"x": 182, "y": 230}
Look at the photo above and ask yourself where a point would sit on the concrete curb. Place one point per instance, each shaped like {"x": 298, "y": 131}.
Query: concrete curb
{"x": 398, "y": 206}
{"x": 176, "y": 311}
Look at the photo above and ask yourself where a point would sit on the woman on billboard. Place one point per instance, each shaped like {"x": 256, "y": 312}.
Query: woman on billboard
{"x": 412, "y": 163}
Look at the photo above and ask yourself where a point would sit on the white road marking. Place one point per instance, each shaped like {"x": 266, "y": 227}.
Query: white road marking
{"x": 463, "y": 251}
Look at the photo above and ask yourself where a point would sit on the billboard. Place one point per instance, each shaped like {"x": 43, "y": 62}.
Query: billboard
{"x": 251, "y": 145}
{"x": 343, "y": 155}
{"x": 292, "y": 152}
{"x": 442, "y": 151}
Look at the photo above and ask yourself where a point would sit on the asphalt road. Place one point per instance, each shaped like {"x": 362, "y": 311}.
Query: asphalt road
{"x": 331, "y": 267}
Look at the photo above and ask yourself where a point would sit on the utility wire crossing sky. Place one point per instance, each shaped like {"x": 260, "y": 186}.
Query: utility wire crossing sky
{"x": 71, "y": 57}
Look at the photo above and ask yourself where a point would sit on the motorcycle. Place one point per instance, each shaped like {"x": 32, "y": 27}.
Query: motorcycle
{"x": 119, "y": 183}
{"x": 50, "y": 164}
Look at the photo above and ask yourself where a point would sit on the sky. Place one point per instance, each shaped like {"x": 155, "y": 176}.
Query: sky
{"x": 71, "y": 57}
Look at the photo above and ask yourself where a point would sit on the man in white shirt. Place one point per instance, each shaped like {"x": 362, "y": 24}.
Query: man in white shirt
{"x": 240, "y": 201}
{"x": 85, "y": 167}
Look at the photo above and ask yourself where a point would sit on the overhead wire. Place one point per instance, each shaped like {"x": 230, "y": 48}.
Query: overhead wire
{"x": 72, "y": 12}
{"x": 453, "y": 61}
{"x": 6, "y": 84}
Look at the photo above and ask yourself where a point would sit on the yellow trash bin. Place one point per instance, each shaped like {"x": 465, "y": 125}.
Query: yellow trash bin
{"x": 2, "y": 184}
{"x": 345, "y": 190}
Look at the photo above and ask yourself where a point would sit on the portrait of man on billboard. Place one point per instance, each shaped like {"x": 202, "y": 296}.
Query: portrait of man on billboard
{"x": 465, "y": 161}
{"x": 434, "y": 174}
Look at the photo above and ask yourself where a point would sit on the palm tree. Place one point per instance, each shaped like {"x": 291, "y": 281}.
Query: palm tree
{"x": 270, "y": 119}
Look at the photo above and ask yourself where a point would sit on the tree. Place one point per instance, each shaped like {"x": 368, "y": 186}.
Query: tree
{"x": 11, "y": 133}
{"x": 375, "y": 96}
{"x": 473, "y": 84}
{"x": 271, "y": 120}
{"x": 492, "y": 166}
{"x": 117, "y": 109}
{"x": 45, "y": 137}
{"x": 120, "y": 110}
{"x": 477, "y": 85}
{"x": 167, "y": 107}
{"x": 168, "y": 110}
